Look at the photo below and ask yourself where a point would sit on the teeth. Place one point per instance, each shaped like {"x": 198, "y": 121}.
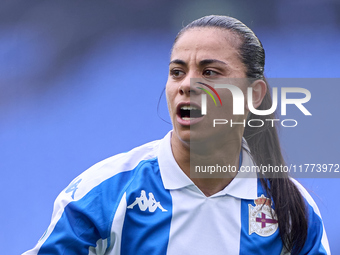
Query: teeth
{"x": 187, "y": 118}
{"x": 189, "y": 107}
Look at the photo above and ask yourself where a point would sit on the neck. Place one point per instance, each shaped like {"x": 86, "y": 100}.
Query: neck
{"x": 224, "y": 153}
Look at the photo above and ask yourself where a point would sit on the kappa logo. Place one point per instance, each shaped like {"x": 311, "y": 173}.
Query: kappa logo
{"x": 144, "y": 203}
{"x": 261, "y": 220}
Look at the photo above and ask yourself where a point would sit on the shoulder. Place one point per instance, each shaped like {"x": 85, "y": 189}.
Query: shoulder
{"x": 316, "y": 238}
{"x": 92, "y": 200}
{"x": 115, "y": 169}
{"x": 307, "y": 196}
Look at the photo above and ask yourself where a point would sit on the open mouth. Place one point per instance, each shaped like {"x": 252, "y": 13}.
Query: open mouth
{"x": 189, "y": 112}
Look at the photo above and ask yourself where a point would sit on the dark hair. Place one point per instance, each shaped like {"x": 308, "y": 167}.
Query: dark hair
{"x": 264, "y": 142}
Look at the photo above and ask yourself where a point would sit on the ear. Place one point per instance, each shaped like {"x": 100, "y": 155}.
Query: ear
{"x": 259, "y": 91}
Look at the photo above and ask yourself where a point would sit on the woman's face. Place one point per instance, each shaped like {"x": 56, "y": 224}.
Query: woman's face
{"x": 209, "y": 54}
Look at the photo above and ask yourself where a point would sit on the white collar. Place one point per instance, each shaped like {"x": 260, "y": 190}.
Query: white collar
{"x": 243, "y": 186}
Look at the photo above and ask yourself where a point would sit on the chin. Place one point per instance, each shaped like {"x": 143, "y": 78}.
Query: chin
{"x": 184, "y": 136}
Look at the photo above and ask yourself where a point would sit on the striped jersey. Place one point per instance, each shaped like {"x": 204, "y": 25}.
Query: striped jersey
{"x": 141, "y": 202}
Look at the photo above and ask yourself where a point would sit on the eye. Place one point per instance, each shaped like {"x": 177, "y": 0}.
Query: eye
{"x": 176, "y": 73}
{"x": 210, "y": 73}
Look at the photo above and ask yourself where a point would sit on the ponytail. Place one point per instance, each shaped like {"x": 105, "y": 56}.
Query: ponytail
{"x": 289, "y": 204}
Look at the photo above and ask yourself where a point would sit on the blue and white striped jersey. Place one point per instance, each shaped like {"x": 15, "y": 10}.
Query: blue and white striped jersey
{"x": 141, "y": 202}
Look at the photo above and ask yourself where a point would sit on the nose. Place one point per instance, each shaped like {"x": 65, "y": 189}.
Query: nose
{"x": 189, "y": 86}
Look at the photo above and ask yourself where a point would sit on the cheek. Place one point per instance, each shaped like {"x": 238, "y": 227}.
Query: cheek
{"x": 169, "y": 98}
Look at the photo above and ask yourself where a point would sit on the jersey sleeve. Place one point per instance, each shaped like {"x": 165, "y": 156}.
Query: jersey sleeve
{"x": 72, "y": 227}
{"x": 317, "y": 242}
{"x": 88, "y": 214}
{"x": 83, "y": 216}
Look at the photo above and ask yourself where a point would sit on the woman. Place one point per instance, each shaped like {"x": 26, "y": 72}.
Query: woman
{"x": 147, "y": 202}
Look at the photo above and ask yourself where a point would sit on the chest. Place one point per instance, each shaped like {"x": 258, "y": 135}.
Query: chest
{"x": 185, "y": 222}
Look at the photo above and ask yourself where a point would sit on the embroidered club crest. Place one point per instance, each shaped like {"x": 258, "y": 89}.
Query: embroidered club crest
{"x": 262, "y": 217}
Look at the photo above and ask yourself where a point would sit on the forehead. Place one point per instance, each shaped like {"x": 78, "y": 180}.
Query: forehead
{"x": 208, "y": 42}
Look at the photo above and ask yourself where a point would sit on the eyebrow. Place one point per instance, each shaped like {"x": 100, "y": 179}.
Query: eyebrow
{"x": 178, "y": 61}
{"x": 201, "y": 63}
